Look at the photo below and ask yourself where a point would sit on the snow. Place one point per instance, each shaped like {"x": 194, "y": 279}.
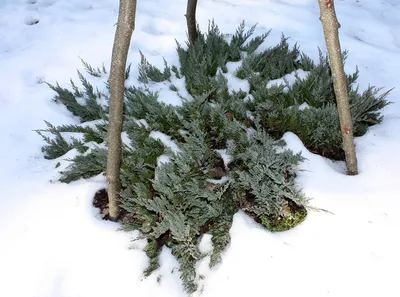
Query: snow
{"x": 288, "y": 79}
{"x": 224, "y": 156}
{"x": 165, "y": 139}
{"x": 53, "y": 245}
{"x": 234, "y": 83}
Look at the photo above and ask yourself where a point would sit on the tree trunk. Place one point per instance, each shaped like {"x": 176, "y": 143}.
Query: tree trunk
{"x": 191, "y": 20}
{"x": 331, "y": 25}
{"x": 122, "y": 40}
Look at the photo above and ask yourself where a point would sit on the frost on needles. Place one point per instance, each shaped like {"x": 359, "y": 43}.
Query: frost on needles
{"x": 230, "y": 155}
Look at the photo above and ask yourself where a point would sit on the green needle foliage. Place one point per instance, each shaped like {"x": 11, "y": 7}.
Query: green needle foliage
{"x": 228, "y": 155}
{"x": 148, "y": 72}
{"x": 58, "y": 146}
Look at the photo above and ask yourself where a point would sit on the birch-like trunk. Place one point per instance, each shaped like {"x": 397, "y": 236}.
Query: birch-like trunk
{"x": 331, "y": 26}
{"x": 122, "y": 40}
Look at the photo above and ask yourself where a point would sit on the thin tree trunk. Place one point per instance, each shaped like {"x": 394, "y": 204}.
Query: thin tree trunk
{"x": 122, "y": 40}
{"x": 191, "y": 20}
{"x": 331, "y": 25}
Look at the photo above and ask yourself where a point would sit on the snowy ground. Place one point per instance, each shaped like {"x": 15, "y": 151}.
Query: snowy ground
{"x": 51, "y": 243}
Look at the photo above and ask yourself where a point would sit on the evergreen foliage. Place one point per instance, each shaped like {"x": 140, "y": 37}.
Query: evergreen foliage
{"x": 143, "y": 104}
{"x": 89, "y": 111}
{"x": 174, "y": 197}
{"x": 316, "y": 124}
{"x": 272, "y": 63}
{"x": 96, "y": 72}
{"x": 149, "y": 72}
{"x": 58, "y": 146}
{"x": 85, "y": 166}
{"x": 211, "y": 51}
{"x": 97, "y": 134}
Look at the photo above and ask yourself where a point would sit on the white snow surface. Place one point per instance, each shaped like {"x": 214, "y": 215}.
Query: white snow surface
{"x": 52, "y": 244}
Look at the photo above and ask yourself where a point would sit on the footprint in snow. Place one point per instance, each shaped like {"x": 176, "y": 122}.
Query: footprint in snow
{"x": 30, "y": 21}
{"x": 43, "y": 3}
{"x": 151, "y": 30}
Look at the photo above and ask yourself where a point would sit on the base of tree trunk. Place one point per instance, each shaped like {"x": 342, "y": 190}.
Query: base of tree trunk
{"x": 100, "y": 201}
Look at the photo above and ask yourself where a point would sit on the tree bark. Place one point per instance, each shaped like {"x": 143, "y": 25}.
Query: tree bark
{"x": 122, "y": 40}
{"x": 331, "y": 25}
{"x": 191, "y": 20}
